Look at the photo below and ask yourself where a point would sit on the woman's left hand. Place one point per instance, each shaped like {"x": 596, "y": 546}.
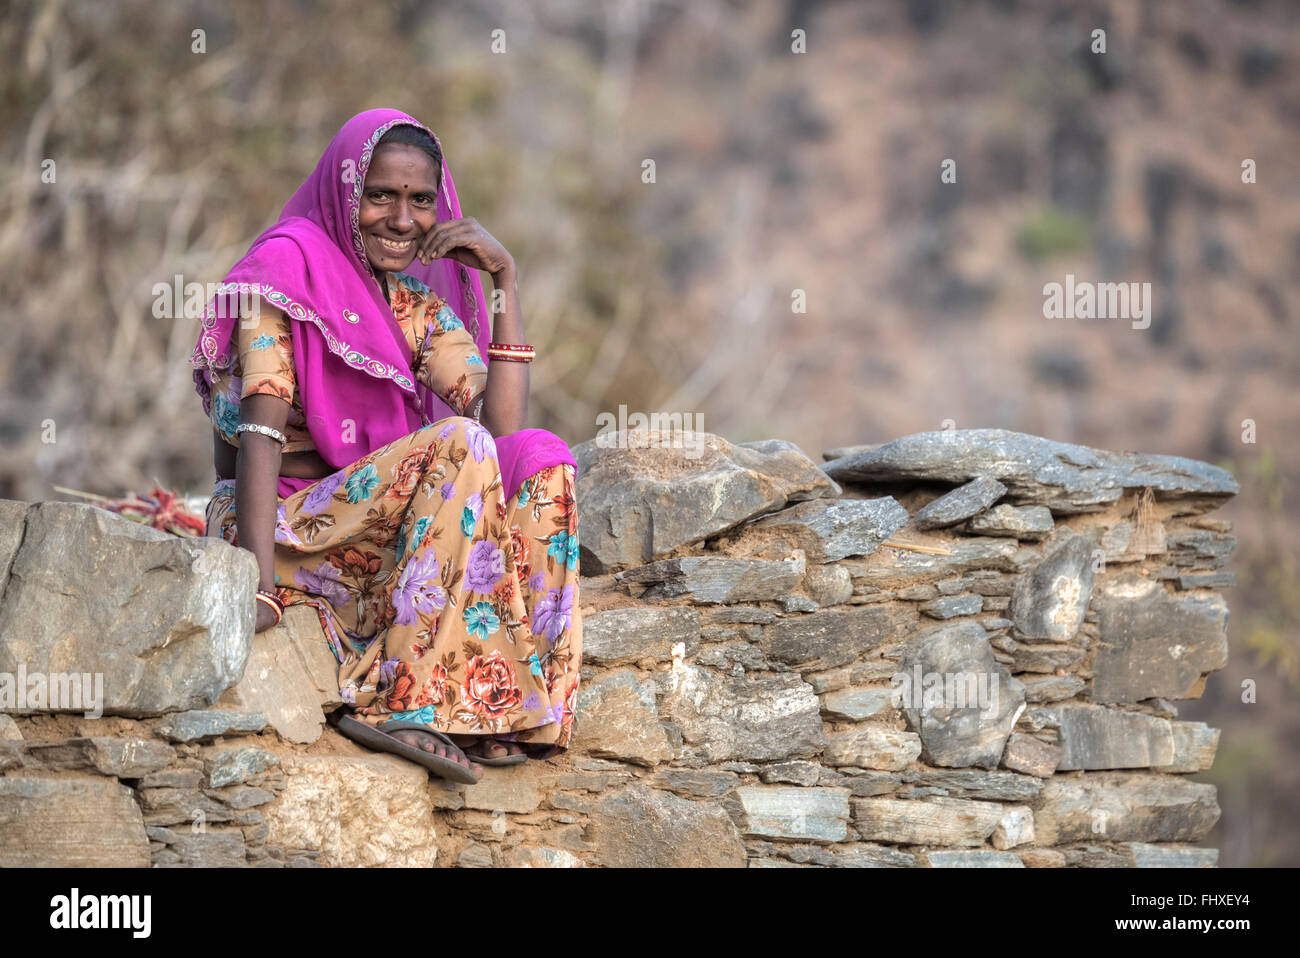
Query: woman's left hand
{"x": 465, "y": 241}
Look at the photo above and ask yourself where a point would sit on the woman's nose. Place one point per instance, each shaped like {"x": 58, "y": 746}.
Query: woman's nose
{"x": 401, "y": 218}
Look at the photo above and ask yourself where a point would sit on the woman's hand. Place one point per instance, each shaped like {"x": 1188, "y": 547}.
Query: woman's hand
{"x": 265, "y": 616}
{"x": 465, "y": 241}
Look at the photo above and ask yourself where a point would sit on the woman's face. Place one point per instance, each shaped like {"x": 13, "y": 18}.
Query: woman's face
{"x": 399, "y": 205}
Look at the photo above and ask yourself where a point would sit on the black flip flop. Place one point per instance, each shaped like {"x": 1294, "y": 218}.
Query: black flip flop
{"x": 371, "y": 737}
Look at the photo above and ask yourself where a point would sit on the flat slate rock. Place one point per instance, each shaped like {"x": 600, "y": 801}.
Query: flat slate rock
{"x": 833, "y": 637}
{"x": 1094, "y": 737}
{"x": 718, "y": 579}
{"x": 1194, "y": 746}
{"x": 755, "y": 717}
{"x": 1144, "y": 855}
{"x": 203, "y": 725}
{"x": 639, "y": 827}
{"x": 963, "y": 783}
{"x": 1124, "y": 807}
{"x": 976, "y": 858}
{"x": 639, "y": 504}
{"x": 1065, "y": 477}
{"x": 70, "y": 823}
{"x": 890, "y": 567}
{"x": 832, "y": 529}
{"x": 118, "y": 757}
{"x": 1158, "y": 644}
{"x": 962, "y": 503}
{"x": 931, "y": 821}
{"x": 790, "y": 812}
{"x": 623, "y": 636}
{"x": 1030, "y": 523}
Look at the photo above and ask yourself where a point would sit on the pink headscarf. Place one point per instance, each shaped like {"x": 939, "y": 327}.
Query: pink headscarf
{"x": 351, "y": 359}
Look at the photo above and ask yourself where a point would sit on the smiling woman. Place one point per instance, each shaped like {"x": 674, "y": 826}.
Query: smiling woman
{"x": 440, "y": 552}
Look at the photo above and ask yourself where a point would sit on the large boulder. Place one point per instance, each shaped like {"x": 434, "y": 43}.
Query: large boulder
{"x": 156, "y": 622}
{"x": 635, "y": 504}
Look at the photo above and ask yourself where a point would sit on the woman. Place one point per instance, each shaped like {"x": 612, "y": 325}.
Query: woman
{"x": 372, "y": 447}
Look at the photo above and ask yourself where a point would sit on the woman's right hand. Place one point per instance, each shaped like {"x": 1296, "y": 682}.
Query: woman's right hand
{"x": 265, "y": 616}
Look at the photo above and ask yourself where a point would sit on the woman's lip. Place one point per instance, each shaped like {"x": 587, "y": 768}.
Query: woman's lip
{"x": 396, "y": 246}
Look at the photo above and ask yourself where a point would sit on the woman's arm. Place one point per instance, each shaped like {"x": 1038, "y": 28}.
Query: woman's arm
{"x": 257, "y": 471}
{"x": 505, "y": 397}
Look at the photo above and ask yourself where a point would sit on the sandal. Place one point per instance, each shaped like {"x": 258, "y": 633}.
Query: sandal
{"x": 374, "y": 737}
{"x": 517, "y": 758}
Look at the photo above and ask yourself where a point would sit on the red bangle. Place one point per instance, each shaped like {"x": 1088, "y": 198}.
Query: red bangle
{"x": 273, "y": 601}
{"x": 511, "y": 352}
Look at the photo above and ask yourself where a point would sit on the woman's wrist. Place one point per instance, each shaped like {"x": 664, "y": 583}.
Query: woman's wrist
{"x": 505, "y": 276}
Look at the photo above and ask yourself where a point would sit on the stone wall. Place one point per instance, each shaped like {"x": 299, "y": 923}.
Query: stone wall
{"x": 766, "y": 680}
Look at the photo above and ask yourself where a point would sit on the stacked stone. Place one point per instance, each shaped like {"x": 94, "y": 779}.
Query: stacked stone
{"x": 745, "y": 627}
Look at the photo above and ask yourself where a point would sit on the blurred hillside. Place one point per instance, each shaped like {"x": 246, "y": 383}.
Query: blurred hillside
{"x": 775, "y": 172}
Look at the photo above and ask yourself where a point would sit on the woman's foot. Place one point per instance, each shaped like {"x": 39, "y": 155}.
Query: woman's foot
{"x": 484, "y": 746}
{"x": 430, "y": 743}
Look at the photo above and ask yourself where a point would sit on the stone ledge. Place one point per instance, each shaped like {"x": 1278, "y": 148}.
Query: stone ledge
{"x": 741, "y": 699}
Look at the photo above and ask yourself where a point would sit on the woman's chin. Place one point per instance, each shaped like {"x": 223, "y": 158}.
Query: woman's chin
{"x": 391, "y": 264}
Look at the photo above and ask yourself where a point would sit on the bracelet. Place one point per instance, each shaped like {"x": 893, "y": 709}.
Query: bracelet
{"x": 263, "y": 430}
{"x": 512, "y": 352}
{"x": 274, "y": 595}
{"x": 273, "y": 601}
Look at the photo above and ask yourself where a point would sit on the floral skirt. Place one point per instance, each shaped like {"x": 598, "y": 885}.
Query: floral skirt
{"x": 443, "y": 602}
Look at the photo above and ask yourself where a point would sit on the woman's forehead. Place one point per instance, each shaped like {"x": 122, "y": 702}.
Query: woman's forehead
{"x": 399, "y": 161}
